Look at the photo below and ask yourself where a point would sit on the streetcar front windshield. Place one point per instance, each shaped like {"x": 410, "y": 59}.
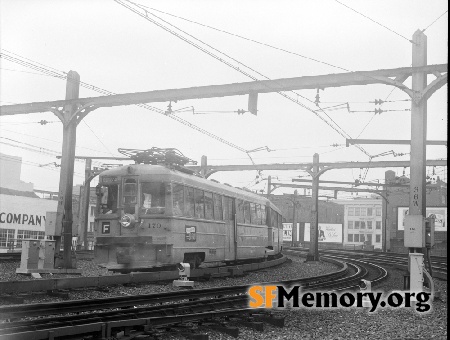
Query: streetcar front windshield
{"x": 153, "y": 198}
{"x": 108, "y": 199}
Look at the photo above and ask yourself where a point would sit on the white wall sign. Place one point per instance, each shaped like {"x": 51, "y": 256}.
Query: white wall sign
{"x": 287, "y": 232}
{"x": 328, "y": 232}
{"x": 440, "y": 222}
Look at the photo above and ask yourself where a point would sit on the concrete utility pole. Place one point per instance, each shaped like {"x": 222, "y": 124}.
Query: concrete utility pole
{"x": 415, "y": 222}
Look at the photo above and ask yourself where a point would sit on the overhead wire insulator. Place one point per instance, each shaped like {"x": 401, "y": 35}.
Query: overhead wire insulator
{"x": 379, "y": 101}
{"x": 378, "y": 111}
{"x": 240, "y": 112}
{"x": 317, "y": 101}
{"x": 43, "y": 122}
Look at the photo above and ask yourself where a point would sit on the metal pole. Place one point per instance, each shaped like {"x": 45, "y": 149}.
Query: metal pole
{"x": 313, "y": 254}
{"x": 67, "y": 165}
{"x": 294, "y": 219}
{"x": 204, "y": 166}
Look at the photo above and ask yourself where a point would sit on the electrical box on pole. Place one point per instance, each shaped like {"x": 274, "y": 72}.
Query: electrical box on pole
{"x": 414, "y": 231}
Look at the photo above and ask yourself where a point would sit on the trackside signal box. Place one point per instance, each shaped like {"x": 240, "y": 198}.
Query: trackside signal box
{"x": 429, "y": 232}
{"x": 414, "y": 231}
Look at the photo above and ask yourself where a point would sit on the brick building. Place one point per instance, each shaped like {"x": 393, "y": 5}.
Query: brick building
{"x": 397, "y": 207}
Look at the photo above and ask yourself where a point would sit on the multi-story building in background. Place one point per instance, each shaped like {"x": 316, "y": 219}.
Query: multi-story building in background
{"x": 22, "y": 212}
{"x": 362, "y": 223}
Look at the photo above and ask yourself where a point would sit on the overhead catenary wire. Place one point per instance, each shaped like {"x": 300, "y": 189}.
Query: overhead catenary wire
{"x": 365, "y": 16}
{"x": 146, "y": 14}
{"x": 434, "y": 21}
{"x": 277, "y": 48}
{"x": 45, "y": 70}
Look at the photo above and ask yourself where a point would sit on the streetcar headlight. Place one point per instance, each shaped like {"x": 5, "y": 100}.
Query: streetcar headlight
{"x": 127, "y": 221}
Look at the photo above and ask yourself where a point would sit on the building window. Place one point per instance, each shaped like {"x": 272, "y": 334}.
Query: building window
{"x": 369, "y": 224}
{"x": 92, "y": 210}
{"x": 351, "y": 211}
{"x": 378, "y": 211}
{"x": 378, "y": 224}
{"x": 363, "y": 225}
{"x": 357, "y": 211}
{"x": 369, "y": 211}
{"x": 377, "y": 238}
{"x": 356, "y": 238}
{"x": 350, "y": 225}
{"x": 91, "y": 227}
{"x": 361, "y": 238}
{"x": 350, "y": 237}
{"x": 6, "y": 237}
{"x": 356, "y": 224}
{"x": 363, "y": 211}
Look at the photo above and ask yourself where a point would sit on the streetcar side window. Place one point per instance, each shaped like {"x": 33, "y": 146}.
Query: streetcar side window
{"x": 253, "y": 217}
{"x": 189, "y": 194}
{"x": 209, "y": 205}
{"x": 228, "y": 208}
{"x": 108, "y": 198}
{"x": 263, "y": 214}
{"x": 246, "y": 212}
{"x": 178, "y": 199}
{"x": 129, "y": 195}
{"x": 280, "y": 221}
{"x": 273, "y": 219}
{"x": 218, "y": 213}
{"x": 199, "y": 203}
{"x": 258, "y": 214}
{"x": 153, "y": 198}
{"x": 240, "y": 211}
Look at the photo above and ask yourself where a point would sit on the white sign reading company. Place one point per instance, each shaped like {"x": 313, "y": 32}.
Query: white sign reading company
{"x": 440, "y": 221}
{"x": 327, "y": 232}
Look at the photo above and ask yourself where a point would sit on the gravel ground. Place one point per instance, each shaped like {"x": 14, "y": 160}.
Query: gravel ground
{"x": 300, "y": 323}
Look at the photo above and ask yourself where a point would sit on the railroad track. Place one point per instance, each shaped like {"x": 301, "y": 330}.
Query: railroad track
{"x": 397, "y": 260}
{"x": 155, "y": 313}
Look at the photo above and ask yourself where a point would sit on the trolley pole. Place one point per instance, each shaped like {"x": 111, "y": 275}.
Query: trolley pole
{"x": 313, "y": 254}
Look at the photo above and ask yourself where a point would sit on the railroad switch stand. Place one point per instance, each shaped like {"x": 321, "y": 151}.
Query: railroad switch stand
{"x": 184, "y": 269}
{"x": 365, "y": 286}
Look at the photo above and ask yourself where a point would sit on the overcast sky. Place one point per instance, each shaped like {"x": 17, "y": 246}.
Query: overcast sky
{"x": 117, "y": 50}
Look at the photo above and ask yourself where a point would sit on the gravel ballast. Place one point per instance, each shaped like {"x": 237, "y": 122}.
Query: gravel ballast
{"x": 300, "y": 323}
